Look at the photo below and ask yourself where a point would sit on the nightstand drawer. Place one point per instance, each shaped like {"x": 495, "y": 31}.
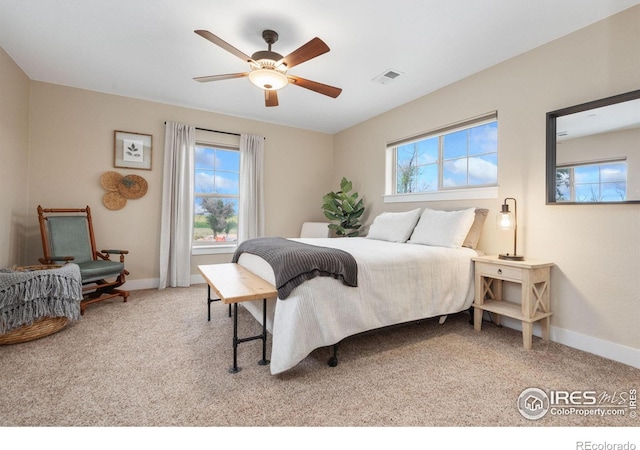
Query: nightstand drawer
{"x": 499, "y": 271}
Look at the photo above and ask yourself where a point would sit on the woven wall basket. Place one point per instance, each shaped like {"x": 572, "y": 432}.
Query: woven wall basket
{"x": 113, "y": 200}
{"x": 38, "y": 329}
{"x": 132, "y": 186}
{"x": 109, "y": 180}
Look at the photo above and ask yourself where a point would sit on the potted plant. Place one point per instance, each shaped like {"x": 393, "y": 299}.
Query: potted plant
{"x": 345, "y": 208}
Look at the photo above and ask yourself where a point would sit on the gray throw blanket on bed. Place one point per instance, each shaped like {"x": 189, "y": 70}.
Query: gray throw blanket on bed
{"x": 294, "y": 262}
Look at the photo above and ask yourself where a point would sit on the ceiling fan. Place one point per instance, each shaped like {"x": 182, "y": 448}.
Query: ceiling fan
{"x": 269, "y": 69}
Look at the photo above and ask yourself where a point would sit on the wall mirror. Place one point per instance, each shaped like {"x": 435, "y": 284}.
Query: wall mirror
{"x": 593, "y": 152}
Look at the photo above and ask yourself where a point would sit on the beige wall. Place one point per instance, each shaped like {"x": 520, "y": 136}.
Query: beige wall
{"x": 14, "y": 157}
{"x": 72, "y": 145}
{"x": 596, "y": 248}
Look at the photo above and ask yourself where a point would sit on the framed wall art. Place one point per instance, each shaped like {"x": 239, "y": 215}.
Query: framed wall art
{"x": 132, "y": 150}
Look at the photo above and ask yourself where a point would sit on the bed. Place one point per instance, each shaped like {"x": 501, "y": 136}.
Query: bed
{"x": 402, "y": 276}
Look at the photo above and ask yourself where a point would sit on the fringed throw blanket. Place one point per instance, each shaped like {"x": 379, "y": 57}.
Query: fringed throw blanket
{"x": 294, "y": 262}
{"x": 31, "y": 295}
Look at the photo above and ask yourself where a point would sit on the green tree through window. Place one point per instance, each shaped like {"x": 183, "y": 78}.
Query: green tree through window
{"x": 464, "y": 157}
{"x": 216, "y": 195}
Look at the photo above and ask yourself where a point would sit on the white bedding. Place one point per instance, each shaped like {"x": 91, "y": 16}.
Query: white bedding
{"x": 396, "y": 283}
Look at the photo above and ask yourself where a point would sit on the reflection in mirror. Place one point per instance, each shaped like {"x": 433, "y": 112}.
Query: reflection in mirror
{"x": 593, "y": 152}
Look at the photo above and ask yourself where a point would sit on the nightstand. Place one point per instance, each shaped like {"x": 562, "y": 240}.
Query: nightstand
{"x": 532, "y": 275}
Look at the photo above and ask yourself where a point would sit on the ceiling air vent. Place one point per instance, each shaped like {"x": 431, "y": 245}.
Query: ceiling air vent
{"x": 387, "y": 76}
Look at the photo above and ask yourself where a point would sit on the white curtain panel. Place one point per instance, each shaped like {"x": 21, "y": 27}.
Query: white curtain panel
{"x": 176, "y": 231}
{"x": 251, "y": 214}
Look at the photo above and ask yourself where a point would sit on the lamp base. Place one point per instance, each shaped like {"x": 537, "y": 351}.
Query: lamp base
{"x": 509, "y": 257}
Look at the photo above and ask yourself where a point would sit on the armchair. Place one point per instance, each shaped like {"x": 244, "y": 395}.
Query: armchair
{"x": 67, "y": 235}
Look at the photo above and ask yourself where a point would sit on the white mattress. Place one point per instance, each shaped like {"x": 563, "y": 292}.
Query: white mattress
{"x": 396, "y": 283}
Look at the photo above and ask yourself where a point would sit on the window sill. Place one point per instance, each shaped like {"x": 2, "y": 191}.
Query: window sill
{"x": 213, "y": 249}
{"x": 458, "y": 194}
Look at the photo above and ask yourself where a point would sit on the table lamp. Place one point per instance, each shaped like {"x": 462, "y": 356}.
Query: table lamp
{"x": 507, "y": 221}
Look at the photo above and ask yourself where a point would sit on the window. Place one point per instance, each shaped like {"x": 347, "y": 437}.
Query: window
{"x": 216, "y": 196}
{"x": 464, "y": 156}
{"x": 604, "y": 181}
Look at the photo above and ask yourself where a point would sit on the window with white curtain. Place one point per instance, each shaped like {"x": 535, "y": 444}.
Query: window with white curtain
{"x": 216, "y": 193}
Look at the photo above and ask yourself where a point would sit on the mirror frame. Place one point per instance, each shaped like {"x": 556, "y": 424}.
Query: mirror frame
{"x": 551, "y": 144}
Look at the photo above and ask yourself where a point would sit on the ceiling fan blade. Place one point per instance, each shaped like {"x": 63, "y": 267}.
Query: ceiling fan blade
{"x": 315, "y": 86}
{"x": 315, "y": 47}
{"x": 221, "y": 77}
{"x": 223, "y": 44}
{"x": 270, "y": 98}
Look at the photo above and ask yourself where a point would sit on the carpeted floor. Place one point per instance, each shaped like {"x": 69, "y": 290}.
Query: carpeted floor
{"x": 155, "y": 361}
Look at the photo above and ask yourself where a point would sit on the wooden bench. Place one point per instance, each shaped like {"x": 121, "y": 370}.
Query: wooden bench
{"x": 232, "y": 284}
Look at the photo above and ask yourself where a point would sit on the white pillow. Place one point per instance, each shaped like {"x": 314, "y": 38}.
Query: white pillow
{"x": 443, "y": 228}
{"x": 394, "y": 227}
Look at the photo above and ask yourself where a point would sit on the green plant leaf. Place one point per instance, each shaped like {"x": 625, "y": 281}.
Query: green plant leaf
{"x": 345, "y": 208}
{"x": 345, "y": 185}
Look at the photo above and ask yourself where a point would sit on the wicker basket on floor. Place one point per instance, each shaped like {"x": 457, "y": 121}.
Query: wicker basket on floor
{"x": 41, "y": 327}
{"x": 38, "y": 329}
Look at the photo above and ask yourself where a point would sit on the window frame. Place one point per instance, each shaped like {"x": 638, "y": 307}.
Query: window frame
{"x": 228, "y": 246}
{"x": 486, "y": 191}
{"x": 570, "y": 167}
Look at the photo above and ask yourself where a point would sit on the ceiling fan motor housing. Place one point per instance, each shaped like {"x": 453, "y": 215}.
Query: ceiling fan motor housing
{"x": 266, "y": 56}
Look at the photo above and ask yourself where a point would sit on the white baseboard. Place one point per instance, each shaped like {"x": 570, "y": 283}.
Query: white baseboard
{"x": 137, "y": 285}
{"x": 197, "y": 279}
{"x": 610, "y": 350}
{"x": 153, "y": 283}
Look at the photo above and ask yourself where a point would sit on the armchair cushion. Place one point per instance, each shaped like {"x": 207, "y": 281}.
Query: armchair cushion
{"x": 99, "y": 269}
{"x": 69, "y": 237}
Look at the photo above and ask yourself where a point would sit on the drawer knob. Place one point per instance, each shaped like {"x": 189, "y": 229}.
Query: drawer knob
{"x": 499, "y": 271}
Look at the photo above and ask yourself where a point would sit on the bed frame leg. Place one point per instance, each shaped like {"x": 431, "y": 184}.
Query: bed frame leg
{"x": 442, "y": 319}
{"x": 333, "y": 361}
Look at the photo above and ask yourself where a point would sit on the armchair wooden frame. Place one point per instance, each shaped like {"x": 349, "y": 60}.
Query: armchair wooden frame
{"x": 95, "y": 288}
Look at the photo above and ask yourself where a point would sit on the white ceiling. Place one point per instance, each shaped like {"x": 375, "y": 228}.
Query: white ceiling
{"x": 605, "y": 119}
{"x": 147, "y": 49}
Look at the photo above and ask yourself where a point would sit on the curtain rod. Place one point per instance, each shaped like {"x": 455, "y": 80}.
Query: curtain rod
{"x": 216, "y": 131}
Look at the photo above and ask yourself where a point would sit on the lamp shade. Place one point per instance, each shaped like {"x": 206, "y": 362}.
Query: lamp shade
{"x": 268, "y": 79}
{"x": 507, "y": 221}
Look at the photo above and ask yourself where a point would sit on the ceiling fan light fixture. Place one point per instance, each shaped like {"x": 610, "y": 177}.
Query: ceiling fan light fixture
{"x": 268, "y": 79}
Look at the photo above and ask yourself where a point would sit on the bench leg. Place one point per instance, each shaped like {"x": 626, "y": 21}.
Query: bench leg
{"x": 264, "y": 361}
{"x": 235, "y": 368}
{"x": 211, "y": 300}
